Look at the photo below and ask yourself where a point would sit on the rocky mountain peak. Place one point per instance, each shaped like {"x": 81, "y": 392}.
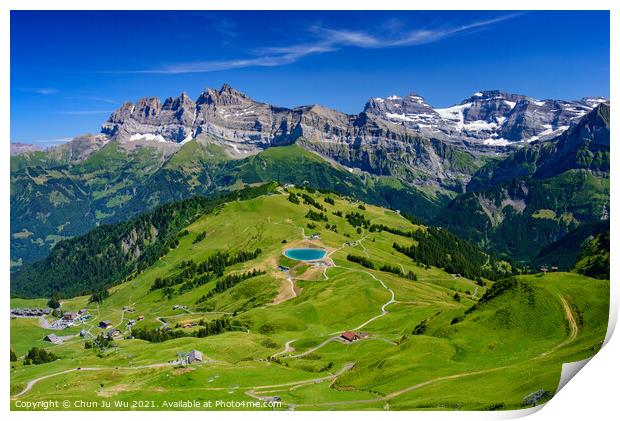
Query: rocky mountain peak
{"x": 182, "y": 101}
{"x": 226, "y": 95}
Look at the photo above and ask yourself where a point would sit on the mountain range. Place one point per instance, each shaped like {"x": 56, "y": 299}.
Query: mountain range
{"x": 479, "y": 162}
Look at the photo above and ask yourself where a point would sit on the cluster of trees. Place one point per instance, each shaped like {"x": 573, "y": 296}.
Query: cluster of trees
{"x": 367, "y": 263}
{"x": 396, "y": 231}
{"x": 438, "y": 247}
{"x": 309, "y": 200}
{"x": 217, "y": 326}
{"x": 157, "y": 335}
{"x": 39, "y": 356}
{"x": 173, "y": 243}
{"x": 332, "y": 227}
{"x": 356, "y": 219}
{"x": 292, "y": 197}
{"x": 192, "y": 283}
{"x": 329, "y": 200}
{"x": 201, "y": 236}
{"x": 214, "y": 266}
{"x": 53, "y": 302}
{"x": 392, "y": 269}
{"x": 108, "y": 254}
{"x": 316, "y": 216}
{"x": 229, "y": 282}
{"x": 101, "y": 342}
{"x": 99, "y": 295}
{"x": 207, "y": 329}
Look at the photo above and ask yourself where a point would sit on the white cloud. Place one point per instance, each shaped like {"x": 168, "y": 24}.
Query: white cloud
{"x": 40, "y": 91}
{"x": 93, "y": 98}
{"x": 328, "y": 40}
{"x": 86, "y": 112}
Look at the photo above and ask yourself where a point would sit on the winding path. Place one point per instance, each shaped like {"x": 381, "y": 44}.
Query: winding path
{"x": 31, "y": 383}
{"x": 287, "y": 348}
{"x": 574, "y": 331}
{"x": 372, "y": 319}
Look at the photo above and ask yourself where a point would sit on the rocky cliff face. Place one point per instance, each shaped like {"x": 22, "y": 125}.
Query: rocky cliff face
{"x": 487, "y": 118}
{"x": 491, "y": 118}
{"x": 401, "y": 136}
{"x": 585, "y": 145}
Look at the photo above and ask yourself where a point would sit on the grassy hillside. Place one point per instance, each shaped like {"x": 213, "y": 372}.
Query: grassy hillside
{"x": 58, "y": 200}
{"x": 432, "y": 337}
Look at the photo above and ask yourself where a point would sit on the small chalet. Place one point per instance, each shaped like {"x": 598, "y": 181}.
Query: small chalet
{"x": 69, "y": 315}
{"x": 194, "y": 355}
{"x": 554, "y": 268}
{"x": 140, "y": 317}
{"x": 82, "y": 311}
{"x": 104, "y": 324}
{"x": 113, "y": 333}
{"x": 53, "y": 339}
{"x": 350, "y": 336}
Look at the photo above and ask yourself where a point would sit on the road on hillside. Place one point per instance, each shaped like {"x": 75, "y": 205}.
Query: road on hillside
{"x": 574, "y": 331}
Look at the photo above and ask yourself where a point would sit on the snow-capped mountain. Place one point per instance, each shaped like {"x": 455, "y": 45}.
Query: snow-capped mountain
{"x": 488, "y": 117}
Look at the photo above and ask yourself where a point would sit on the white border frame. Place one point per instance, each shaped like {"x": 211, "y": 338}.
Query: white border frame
{"x": 591, "y": 394}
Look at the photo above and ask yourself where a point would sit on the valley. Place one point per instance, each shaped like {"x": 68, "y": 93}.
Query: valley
{"x": 385, "y": 319}
{"x": 521, "y": 173}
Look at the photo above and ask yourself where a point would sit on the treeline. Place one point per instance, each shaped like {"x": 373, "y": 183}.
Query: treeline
{"x": 396, "y": 231}
{"x": 367, "y": 263}
{"x": 228, "y": 282}
{"x": 108, "y": 254}
{"x": 356, "y": 219}
{"x": 309, "y": 200}
{"x": 440, "y": 248}
{"x": 208, "y": 329}
{"x": 292, "y": 197}
{"x": 316, "y": 216}
{"x": 99, "y": 295}
{"x": 201, "y": 236}
{"x": 39, "y": 356}
{"x": 193, "y": 275}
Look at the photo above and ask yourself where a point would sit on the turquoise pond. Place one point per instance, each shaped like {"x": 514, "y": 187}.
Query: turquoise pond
{"x": 305, "y": 254}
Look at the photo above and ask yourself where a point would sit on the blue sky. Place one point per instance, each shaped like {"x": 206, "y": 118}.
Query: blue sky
{"x": 69, "y": 70}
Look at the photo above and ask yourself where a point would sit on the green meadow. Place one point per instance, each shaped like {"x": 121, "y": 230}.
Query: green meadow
{"x": 437, "y": 344}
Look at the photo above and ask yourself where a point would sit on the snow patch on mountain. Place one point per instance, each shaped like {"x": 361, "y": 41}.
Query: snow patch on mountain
{"x": 147, "y": 136}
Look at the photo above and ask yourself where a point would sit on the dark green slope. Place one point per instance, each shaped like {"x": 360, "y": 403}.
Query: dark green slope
{"x": 565, "y": 252}
{"x": 112, "y": 185}
{"x": 538, "y": 194}
{"x": 593, "y": 258}
{"x": 49, "y": 204}
{"x": 110, "y": 253}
